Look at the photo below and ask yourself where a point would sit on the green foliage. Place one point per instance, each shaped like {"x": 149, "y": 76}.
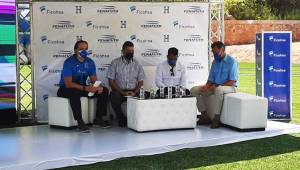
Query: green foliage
{"x": 287, "y": 9}
{"x": 248, "y": 9}
{"x": 263, "y": 9}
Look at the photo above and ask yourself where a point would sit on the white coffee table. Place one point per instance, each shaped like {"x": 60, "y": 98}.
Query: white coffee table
{"x": 161, "y": 114}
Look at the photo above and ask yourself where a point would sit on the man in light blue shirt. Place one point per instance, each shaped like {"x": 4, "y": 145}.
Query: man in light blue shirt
{"x": 222, "y": 79}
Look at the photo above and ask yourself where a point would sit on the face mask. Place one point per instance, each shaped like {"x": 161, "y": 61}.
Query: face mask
{"x": 172, "y": 62}
{"x": 129, "y": 56}
{"x": 84, "y": 53}
{"x": 217, "y": 57}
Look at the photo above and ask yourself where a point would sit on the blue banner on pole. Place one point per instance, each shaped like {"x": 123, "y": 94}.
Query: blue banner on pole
{"x": 276, "y": 49}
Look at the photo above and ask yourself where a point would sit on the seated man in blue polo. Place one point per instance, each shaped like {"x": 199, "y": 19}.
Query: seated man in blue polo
{"x": 223, "y": 78}
{"x": 76, "y": 70}
{"x": 171, "y": 72}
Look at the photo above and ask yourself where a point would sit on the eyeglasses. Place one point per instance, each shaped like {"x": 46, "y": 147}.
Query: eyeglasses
{"x": 172, "y": 71}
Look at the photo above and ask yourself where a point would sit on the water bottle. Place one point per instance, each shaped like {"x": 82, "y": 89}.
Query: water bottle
{"x": 169, "y": 92}
{"x": 152, "y": 94}
{"x": 177, "y": 91}
{"x": 183, "y": 91}
{"x": 161, "y": 92}
{"x": 142, "y": 93}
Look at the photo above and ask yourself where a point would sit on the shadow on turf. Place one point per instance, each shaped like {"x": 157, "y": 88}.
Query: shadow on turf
{"x": 201, "y": 157}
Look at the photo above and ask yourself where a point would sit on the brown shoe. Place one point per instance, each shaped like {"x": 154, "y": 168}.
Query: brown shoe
{"x": 215, "y": 122}
{"x": 203, "y": 119}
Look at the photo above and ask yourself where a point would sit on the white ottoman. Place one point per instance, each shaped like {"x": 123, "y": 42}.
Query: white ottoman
{"x": 60, "y": 112}
{"x": 244, "y": 112}
{"x": 161, "y": 114}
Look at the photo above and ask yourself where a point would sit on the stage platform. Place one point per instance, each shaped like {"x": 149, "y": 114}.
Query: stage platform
{"x": 41, "y": 147}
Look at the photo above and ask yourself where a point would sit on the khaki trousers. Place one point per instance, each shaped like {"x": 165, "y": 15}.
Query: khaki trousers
{"x": 211, "y": 101}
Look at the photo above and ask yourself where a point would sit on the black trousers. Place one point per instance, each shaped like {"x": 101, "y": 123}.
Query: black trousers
{"x": 117, "y": 99}
{"x": 74, "y": 96}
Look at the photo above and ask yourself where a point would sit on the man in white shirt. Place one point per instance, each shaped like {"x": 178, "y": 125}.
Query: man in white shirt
{"x": 170, "y": 72}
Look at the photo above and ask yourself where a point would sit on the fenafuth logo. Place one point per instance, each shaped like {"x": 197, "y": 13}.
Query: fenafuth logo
{"x": 108, "y": 39}
{"x": 151, "y": 24}
{"x": 108, "y": 9}
{"x": 151, "y": 53}
{"x": 62, "y": 25}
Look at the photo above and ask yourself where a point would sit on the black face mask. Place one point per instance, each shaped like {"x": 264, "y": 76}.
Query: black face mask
{"x": 129, "y": 56}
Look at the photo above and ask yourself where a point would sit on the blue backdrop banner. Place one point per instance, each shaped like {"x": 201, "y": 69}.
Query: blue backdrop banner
{"x": 276, "y": 60}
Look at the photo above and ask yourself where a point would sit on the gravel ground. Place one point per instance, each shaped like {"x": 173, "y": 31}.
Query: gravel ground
{"x": 246, "y": 53}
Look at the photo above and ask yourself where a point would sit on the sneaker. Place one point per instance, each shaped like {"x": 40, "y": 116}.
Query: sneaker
{"x": 102, "y": 123}
{"x": 82, "y": 127}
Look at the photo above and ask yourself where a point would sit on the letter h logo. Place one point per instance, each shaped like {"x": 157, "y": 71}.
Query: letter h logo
{"x": 166, "y": 9}
{"x": 123, "y": 24}
{"x": 166, "y": 38}
{"x": 78, "y": 9}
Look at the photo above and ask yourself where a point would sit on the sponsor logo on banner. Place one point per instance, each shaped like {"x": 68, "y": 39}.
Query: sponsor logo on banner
{"x": 276, "y": 55}
{"x": 108, "y": 39}
{"x": 136, "y": 10}
{"x": 258, "y": 38}
{"x": 78, "y": 37}
{"x": 258, "y": 53}
{"x": 123, "y": 24}
{"x": 45, "y": 40}
{"x": 89, "y": 24}
{"x": 195, "y": 66}
{"x": 45, "y": 97}
{"x": 151, "y": 24}
{"x": 45, "y": 68}
{"x": 166, "y": 9}
{"x": 45, "y": 10}
{"x": 138, "y": 40}
{"x": 194, "y": 10}
{"x": 193, "y": 38}
{"x": 275, "y": 85}
{"x": 78, "y": 9}
{"x": 276, "y": 70}
{"x": 100, "y": 55}
{"x": 190, "y": 82}
{"x": 103, "y": 67}
{"x": 186, "y": 54}
{"x": 273, "y": 39}
{"x": 61, "y": 25}
{"x": 62, "y": 54}
{"x": 275, "y": 115}
{"x": 151, "y": 53}
{"x": 178, "y": 25}
{"x": 166, "y": 38}
{"x": 107, "y": 9}
{"x": 272, "y": 99}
